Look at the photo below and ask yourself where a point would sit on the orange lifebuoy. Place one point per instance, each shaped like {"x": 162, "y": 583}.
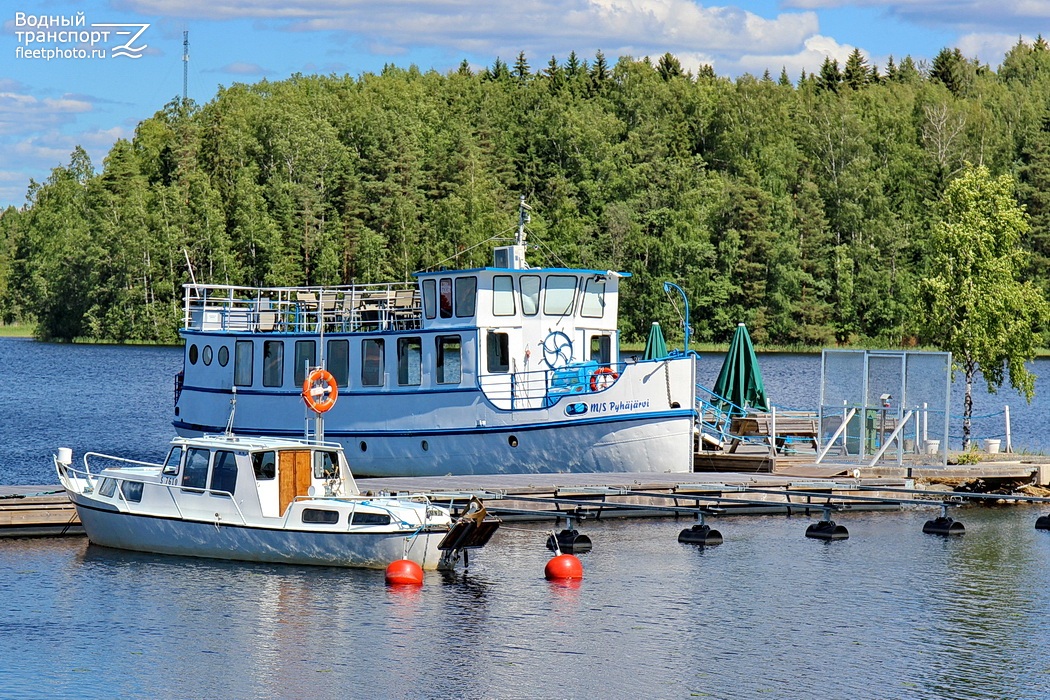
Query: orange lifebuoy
{"x": 603, "y": 378}
{"x": 320, "y": 390}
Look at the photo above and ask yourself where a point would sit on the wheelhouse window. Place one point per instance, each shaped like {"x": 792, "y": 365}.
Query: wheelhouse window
{"x": 243, "y": 358}
{"x": 593, "y": 298}
{"x": 430, "y": 298}
{"x": 372, "y": 369}
{"x": 498, "y": 352}
{"x": 409, "y": 359}
{"x": 530, "y": 294}
{"x": 326, "y": 465}
{"x": 601, "y": 349}
{"x": 503, "y": 295}
{"x": 265, "y": 465}
{"x": 195, "y": 473}
{"x": 449, "y": 359}
{"x": 466, "y": 296}
{"x": 223, "y": 473}
{"x": 338, "y": 360}
{"x": 561, "y": 292}
{"x": 445, "y": 297}
{"x": 305, "y": 357}
{"x": 273, "y": 362}
{"x": 171, "y": 464}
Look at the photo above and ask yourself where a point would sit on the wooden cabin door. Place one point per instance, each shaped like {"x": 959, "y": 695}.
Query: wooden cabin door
{"x": 294, "y": 471}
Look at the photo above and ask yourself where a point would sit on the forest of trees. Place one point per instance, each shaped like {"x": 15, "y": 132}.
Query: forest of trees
{"x": 803, "y": 209}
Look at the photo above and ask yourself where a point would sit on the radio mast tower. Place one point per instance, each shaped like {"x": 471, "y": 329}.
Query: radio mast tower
{"x": 185, "y": 63}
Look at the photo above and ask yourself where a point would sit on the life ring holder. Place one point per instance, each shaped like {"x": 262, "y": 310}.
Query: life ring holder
{"x": 602, "y": 378}
{"x": 320, "y": 390}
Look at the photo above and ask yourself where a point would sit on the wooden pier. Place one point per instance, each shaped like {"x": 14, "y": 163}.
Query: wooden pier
{"x": 35, "y": 511}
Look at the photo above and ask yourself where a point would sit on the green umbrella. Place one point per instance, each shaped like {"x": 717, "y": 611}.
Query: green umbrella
{"x": 655, "y": 346}
{"x": 740, "y": 381}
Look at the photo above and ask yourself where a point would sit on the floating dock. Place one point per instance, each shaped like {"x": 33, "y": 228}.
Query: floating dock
{"x": 36, "y": 511}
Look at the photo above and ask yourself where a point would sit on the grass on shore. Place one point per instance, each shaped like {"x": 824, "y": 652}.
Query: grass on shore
{"x": 16, "y": 330}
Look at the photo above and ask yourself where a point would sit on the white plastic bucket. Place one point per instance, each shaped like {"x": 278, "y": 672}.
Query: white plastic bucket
{"x": 991, "y": 445}
{"x": 933, "y": 447}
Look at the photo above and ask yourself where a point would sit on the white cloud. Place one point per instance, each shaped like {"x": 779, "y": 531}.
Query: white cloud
{"x": 809, "y": 59}
{"x": 989, "y": 48}
{"x": 977, "y": 16}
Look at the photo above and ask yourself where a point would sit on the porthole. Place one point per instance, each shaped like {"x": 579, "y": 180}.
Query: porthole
{"x": 193, "y": 354}
{"x": 425, "y": 445}
{"x": 512, "y": 441}
{"x": 364, "y": 446}
{"x": 206, "y": 355}
{"x": 224, "y": 356}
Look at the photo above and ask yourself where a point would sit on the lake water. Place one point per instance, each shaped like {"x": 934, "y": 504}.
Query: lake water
{"x": 888, "y": 613}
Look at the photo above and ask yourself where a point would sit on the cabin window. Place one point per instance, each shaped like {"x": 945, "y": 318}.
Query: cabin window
{"x": 445, "y": 297}
{"x": 372, "y": 371}
{"x": 561, "y": 292}
{"x": 409, "y": 352}
{"x": 171, "y": 464}
{"x": 273, "y": 362}
{"x": 195, "y": 474}
{"x": 320, "y": 516}
{"x": 305, "y": 357}
{"x": 338, "y": 361}
{"x": 224, "y": 356}
{"x": 429, "y": 298}
{"x": 530, "y": 294}
{"x": 193, "y": 354}
{"x": 132, "y": 491}
{"x": 369, "y": 519}
{"x": 498, "y": 352}
{"x": 223, "y": 473}
{"x": 449, "y": 359}
{"x": 206, "y": 355}
{"x": 601, "y": 349}
{"x": 503, "y": 295}
{"x": 108, "y": 487}
{"x": 326, "y": 465}
{"x": 466, "y": 296}
{"x": 265, "y": 465}
{"x": 243, "y": 358}
{"x": 593, "y": 298}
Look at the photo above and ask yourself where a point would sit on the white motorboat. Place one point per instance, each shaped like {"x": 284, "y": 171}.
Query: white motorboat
{"x": 261, "y": 499}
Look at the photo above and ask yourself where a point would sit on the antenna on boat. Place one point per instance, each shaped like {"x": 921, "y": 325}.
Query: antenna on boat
{"x": 233, "y": 411}
{"x": 523, "y": 219}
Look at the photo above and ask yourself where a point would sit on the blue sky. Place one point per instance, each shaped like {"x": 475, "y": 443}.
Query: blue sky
{"x": 75, "y": 89}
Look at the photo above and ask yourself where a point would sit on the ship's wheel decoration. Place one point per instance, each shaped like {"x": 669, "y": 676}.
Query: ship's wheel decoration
{"x": 557, "y": 349}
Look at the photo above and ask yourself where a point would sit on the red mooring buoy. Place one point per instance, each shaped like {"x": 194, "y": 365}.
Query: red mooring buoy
{"x": 562, "y": 567}
{"x": 404, "y": 572}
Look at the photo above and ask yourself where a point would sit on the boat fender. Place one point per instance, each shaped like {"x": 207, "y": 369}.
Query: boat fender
{"x": 603, "y": 378}
{"x": 320, "y": 390}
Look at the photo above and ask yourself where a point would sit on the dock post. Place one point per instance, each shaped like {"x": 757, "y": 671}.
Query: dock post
{"x": 1006, "y": 412}
{"x": 773, "y": 432}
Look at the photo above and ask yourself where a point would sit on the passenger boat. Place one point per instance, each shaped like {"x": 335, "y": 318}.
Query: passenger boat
{"x": 262, "y": 499}
{"x": 501, "y": 369}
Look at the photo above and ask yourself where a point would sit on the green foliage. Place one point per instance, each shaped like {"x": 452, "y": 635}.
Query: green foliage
{"x": 802, "y": 209}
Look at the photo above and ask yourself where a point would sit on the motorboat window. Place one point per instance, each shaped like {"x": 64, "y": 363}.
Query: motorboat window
{"x": 359, "y": 518}
{"x": 305, "y": 358}
{"x": 503, "y": 296}
{"x": 601, "y": 349}
{"x": 445, "y": 287}
{"x": 449, "y": 359}
{"x": 193, "y": 353}
{"x": 195, "y": 473}
{"x": 132, "y": 491}
{"x": 171, "y": 464}
{"x": 593, "y": 298}
{"x": 107, "y": 488}
{"x": 243, "y": 359}
{"x": 320, "y": 516}
{"x": 223, "y": 355}
{"x": 337, "y": 359}
{"x": 273, "y": 363}
{"x": 561, "y": 293}
{"x": 372, "y": 364}
{"x": 430, "y": 298}
{"x": 466, "y": 296}
{"x": 326, "y": 465}
{"x": 265, "y": 465}
{"x": 223, "y": 472}
{"x": 498, "y": 352}
{"x": 409, "y": 359}
{"x": 530, "y": 294}
{"x": 206, "y": 355}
